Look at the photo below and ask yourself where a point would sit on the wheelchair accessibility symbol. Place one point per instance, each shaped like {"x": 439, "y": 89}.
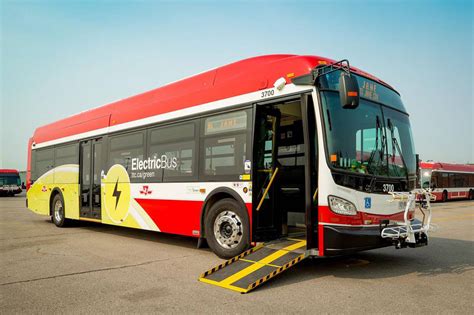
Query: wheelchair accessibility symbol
{"x": 368, "y": 202}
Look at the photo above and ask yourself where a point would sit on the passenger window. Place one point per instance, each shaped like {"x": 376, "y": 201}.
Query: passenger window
{"x": 225, "y": 145}
{"x": 124, "y": 148}
{"x": 66, "y": 155}
{"x": 174, "y": 149}
{"x": 43, "y": 162}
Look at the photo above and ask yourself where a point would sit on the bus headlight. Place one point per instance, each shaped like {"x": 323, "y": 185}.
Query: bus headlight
{"x": 341, "y": 206}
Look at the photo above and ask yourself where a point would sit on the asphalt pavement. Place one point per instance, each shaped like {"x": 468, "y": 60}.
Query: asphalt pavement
{"x": 93, "y": 268}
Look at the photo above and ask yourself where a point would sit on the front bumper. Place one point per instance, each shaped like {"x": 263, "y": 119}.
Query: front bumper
{"x": 7, "y": 191}
{"x": 342, "y": 240}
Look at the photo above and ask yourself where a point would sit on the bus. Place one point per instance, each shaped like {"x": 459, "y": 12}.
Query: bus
{"x": 448, "y": 181}
{"x": 257, "y": 150}
{"x": 10, "y": 183}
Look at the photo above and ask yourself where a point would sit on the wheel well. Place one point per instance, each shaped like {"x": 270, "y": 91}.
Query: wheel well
{"x": 212, "y": 198}
{"x": 55, "y": 192}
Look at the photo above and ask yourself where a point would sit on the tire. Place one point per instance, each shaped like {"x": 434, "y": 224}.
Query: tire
{"x": 445, "y": 196}
{"x": 471, "y": 194}
{"x": 227, "y": 228}
{"x": 57, "y": 211}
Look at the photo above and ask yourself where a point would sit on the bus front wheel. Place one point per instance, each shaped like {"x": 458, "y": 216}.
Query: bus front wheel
{"x": 227, "y": 228}
{"x": 445, "y": 196}
{"x": 471, "y": 194}
{"x": 57, "y": 211}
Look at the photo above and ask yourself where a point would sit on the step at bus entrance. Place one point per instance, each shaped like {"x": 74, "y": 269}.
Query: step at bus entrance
{"x": 259, "y": 264}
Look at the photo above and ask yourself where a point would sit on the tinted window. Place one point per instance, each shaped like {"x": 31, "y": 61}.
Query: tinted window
{"x": 175, "y": 148}
{"x": 444, "y": 182}
{"x": 124, "y": 148}
{"x": 224, "y": 156}
{"x": 225, "y": 145}
{"x": 43, "y": 162}
{"x": 66, "y": 155}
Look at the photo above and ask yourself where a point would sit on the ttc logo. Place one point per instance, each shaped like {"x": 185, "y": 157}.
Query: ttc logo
{"x": 145, "y": 191}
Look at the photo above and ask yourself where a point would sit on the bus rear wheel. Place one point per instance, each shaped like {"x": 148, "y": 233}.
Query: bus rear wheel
{"x": 57, "y": 211}
{"x": 471, "y": 194}
{"x": 227, "y": 228}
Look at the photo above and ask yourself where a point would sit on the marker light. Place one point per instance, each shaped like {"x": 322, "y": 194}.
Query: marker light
{"x": 341, "y": 206}
{"x": 280, "y": 84}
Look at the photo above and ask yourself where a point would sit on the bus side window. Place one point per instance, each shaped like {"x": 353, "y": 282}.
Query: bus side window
{"x": 224, "y": 145}
{"x": 444, "y": 180}
{"x": 66, "y": 154}
{"x": 44, "y": 162}
{"x": 124, "y": 149}
{"x": 175, "y": 146}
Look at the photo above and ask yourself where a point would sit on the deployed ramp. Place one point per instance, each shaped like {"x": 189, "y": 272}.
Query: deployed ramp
{"x": 250, "y": 269}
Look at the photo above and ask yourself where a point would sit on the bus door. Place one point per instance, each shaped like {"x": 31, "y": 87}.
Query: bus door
{"x": 285, "y": 170}
{"x": 266, "y": 222}
{"x": 90, "y": 178}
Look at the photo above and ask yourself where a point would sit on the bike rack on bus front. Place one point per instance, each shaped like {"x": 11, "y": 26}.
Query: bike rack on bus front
{"x": 410, "y": 232}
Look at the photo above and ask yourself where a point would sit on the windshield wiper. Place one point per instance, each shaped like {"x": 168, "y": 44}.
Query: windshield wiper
{"x": 374, "y": 151}
{"x": 397, "y": 146}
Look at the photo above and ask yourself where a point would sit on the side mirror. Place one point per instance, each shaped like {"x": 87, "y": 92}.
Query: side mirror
{"x": 348, "y": 91}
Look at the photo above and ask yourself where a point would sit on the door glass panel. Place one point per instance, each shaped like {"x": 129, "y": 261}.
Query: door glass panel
{"x": 85, "y": 174}
{"x": 97, "y": 178}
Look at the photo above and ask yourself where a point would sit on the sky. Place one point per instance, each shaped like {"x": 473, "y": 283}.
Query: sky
{"x": 62, "y": 57}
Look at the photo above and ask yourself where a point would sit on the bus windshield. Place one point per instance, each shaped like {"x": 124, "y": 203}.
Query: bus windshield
{"x": 425, "y": 178}
{"x": 9, "y": 179}
{"x": 373, "y": 139}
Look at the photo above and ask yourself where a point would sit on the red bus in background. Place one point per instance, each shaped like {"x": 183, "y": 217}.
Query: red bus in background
{"x": 449, "y": 181}
{"x": 10, "y": 183}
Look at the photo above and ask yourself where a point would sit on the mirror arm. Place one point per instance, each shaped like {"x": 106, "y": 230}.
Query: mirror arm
{"x": 310, "y": 78}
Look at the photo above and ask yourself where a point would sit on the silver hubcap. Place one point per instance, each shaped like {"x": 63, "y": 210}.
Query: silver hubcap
{"x": 58, "y": 211}
{"x": 228, "y": 229}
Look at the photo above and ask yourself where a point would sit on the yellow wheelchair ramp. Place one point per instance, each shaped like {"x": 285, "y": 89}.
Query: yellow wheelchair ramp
{"x": 250, "y": 269}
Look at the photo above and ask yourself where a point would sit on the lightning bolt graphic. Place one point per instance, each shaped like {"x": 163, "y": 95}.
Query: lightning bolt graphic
{"x": 116, "y": 194}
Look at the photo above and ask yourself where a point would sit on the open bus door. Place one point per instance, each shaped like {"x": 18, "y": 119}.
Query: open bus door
{"x": 285, "y": 170}
{"x": 284, "y": 186}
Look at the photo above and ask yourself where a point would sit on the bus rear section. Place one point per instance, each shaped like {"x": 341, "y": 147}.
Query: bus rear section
{"x": 10, "y": 182}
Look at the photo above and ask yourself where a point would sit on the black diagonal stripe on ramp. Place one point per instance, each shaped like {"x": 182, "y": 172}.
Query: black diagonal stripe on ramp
{"x": 254, "y": 276}
{"x": 285, "y": 259}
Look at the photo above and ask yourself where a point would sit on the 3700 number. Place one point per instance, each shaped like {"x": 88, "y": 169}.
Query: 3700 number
{"x": 267, "y": 93}
{"x": 388, "y": 187}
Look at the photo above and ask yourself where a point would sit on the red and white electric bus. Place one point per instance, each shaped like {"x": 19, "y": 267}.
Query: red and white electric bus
{"x": 448, "y": 181}
{"x": 252, "y": 151}
{"x": 10, "y": 183}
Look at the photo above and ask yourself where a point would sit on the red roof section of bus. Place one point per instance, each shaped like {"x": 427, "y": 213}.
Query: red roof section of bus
{"x": 8, "y": 171}
{"x": 241, "y": 77}
{"x": 447, "y": 167}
